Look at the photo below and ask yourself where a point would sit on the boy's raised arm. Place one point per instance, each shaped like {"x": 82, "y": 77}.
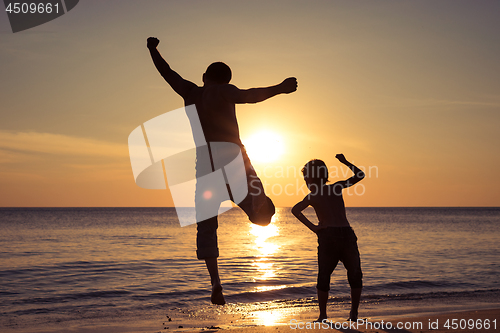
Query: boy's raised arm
{"x": 180, "y": 85}
{"x": 297, "y": 212}
{"x": 358, "y": 173}
{"x": 255, "y": 95}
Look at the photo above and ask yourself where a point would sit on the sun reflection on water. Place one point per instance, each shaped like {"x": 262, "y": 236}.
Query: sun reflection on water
{"x": 268, "y": 288}
{"x": 265, "y": 249}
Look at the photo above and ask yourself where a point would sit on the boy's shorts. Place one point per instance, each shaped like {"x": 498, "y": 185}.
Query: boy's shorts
{"x": 338, "y": 244}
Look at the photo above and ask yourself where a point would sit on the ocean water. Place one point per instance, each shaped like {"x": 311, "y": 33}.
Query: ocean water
{"x": 68, "y": 264}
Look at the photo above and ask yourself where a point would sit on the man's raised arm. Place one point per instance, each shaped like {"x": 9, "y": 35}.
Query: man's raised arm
{"x": 255, "y": 95}
{"x": 180, "y": 86}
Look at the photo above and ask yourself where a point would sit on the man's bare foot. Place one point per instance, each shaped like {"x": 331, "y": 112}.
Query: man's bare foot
{"x": 353, "y": 315}
{"x": 217, "y": 297}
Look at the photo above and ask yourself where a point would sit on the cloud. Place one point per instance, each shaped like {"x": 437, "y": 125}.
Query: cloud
{"x": 15, "y": 145}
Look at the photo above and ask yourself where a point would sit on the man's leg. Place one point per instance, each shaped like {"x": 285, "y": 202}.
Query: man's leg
{"x": 206, "y": 243}
{"x": 206, "y": 236}
{"x": 322, "y": 300}
{"x": 213, "y": 270}
{"x": 259, "y": 207}
{"x": 355, "y": 298}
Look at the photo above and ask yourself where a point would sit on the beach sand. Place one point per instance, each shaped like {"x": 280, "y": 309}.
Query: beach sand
{"x": 290, "y": 322}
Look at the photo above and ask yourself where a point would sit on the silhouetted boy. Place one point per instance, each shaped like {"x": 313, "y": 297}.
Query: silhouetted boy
{"x": 215, "y": 103}
{"x": 336, "y": 239}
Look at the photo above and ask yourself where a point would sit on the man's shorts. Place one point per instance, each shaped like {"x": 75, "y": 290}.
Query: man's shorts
{"x": 338, "y": 244}
{"x": 256, "y": 205}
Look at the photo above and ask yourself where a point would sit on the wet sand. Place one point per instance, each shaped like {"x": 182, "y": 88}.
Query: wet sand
{"x": 465, "y": 321}
{"x": 471, "y": 321}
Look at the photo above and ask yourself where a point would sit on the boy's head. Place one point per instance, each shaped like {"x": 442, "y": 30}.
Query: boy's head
{"x": 218, "y": 72}
{"x": 315, "y": 172}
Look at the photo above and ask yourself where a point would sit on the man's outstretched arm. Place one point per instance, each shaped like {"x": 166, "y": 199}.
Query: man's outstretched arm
{"x": 180, "y": 86}
{"x": 254, "y": 95}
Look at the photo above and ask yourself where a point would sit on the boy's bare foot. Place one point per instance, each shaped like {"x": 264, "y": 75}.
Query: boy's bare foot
{"x": 353, "y": 315}
{"x": 217, "y": 297}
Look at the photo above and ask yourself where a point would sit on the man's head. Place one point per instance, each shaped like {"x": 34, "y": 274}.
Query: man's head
{"x": 218, "y": 72}
{"x": 315, "y": 172}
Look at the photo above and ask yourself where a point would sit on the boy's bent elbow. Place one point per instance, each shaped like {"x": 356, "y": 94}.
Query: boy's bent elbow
{"x": 358, "y": 174}
{"x": 298, "y": 208}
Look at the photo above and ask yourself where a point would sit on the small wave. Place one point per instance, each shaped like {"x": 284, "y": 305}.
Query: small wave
{"x": 419, "y": 285}
{"x": 285, "y": 292}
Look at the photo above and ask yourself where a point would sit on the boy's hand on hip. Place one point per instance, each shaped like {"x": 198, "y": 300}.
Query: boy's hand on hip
{"x": 318, "y": 228}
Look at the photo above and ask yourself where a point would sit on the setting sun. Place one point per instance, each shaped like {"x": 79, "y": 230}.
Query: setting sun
{"x": 264, "y": 146}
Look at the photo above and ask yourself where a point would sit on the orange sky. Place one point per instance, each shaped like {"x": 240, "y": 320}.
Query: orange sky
{"x": 408, "y": 90}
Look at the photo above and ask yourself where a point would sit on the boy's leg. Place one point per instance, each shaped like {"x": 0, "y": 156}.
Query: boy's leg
{"x": 327, "y": 262}
{"x": 352, "y": 263}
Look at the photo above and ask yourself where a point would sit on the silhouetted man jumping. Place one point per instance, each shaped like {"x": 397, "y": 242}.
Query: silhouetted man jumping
{"x": 215, "y": 103}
